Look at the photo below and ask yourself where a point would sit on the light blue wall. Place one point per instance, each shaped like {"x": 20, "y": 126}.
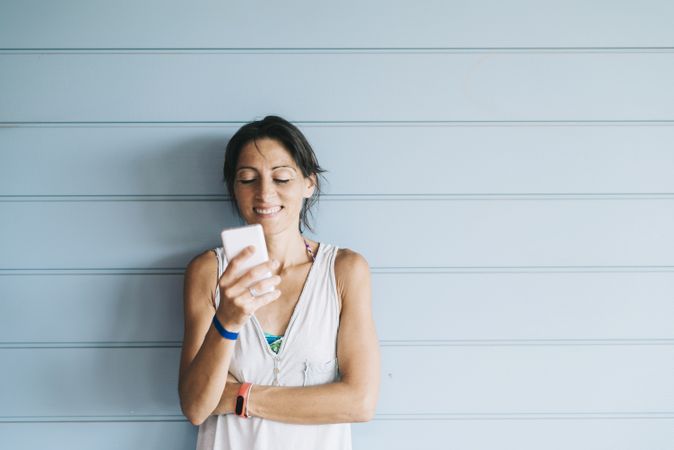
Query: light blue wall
{"x": 505, "y": 167}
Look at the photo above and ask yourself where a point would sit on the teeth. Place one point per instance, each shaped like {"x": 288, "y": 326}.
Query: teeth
{"x": 267, "y": 211}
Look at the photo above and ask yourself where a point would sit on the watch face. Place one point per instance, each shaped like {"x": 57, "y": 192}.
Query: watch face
{"x": 239, "y": 405}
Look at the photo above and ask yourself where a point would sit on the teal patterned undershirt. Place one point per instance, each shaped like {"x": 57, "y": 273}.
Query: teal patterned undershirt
{"x": 274, "y": 341}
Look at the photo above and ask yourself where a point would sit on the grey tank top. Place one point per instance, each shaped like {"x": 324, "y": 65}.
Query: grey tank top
{"x": 307, "y": 356}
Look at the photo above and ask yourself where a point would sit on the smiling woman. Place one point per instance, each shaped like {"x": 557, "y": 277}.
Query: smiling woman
{"x": 303, "y": 358}
{"x": 288, "y": 156}
{"x": 268, "y": 184}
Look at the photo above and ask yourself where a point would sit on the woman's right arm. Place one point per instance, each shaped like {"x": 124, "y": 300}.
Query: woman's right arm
{"x": 206, "y": 355}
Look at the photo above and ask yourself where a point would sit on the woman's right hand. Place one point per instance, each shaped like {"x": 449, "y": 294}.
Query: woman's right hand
{"x": 236, "y": 302}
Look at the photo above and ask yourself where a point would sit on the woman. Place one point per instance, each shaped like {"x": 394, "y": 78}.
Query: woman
{"x": 304, "y": 358}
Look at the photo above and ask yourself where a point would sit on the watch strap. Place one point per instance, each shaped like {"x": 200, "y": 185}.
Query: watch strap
{"x": 242, "y": 400}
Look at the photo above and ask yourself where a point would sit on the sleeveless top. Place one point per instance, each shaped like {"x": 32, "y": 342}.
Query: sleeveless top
{"x": 307, "y": 356}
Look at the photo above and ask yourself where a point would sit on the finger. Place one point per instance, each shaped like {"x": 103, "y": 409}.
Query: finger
{"x": 258, "y": 288}
{"x": 266, "y": 285}
{"x": 244, "y": 288}
{"x": 249, "y": 278}
{"x": 264, "y": 299}
{"x": 258, "y": 272}
{"x": 232, "y": 270}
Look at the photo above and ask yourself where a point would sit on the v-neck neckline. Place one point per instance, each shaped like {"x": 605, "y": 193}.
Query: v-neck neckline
{"x": 293, "y": 316}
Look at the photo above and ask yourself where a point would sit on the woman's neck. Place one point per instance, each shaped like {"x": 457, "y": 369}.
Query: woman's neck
{"x": 288, "y": 249}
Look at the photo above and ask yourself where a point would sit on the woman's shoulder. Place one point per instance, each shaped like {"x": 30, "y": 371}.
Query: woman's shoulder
{"x": 204, "y": 261}
{"x": 352, "y": 276}
{"x": 347, "y": 258}
{"x": 202, "y": 270}
{"x": 350, "y": 266}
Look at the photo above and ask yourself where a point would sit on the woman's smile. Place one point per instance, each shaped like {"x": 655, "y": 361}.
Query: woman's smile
{"x": 265, "y": 213}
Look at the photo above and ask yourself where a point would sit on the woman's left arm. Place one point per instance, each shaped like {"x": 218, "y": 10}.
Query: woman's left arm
{"x": 354, "y": 397}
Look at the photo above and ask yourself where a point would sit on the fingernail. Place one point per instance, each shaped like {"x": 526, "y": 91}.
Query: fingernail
{"x": 275, "y": 264}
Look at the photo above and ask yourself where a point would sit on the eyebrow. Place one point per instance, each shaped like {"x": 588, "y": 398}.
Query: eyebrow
{"x": 273, "y": 168}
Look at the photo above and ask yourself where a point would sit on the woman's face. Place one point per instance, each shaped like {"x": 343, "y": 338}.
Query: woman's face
{"x": 269, "y": 187}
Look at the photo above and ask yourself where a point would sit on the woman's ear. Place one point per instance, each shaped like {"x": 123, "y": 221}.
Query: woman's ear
{"x": 310, "y": 186}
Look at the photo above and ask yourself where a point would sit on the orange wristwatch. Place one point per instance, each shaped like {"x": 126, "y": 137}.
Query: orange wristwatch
{"x": 242, "y": 400}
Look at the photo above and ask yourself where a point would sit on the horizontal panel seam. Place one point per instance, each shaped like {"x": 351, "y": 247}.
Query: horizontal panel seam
{"x": 542, "y": 196}
{"x": 330, "y": 50}
{"x": 7, "y": 345}
{"x": 381, "y": 270}
{"x": 94, "y": 418}
{"x": 341, "y": 123}
{"x": 574, "y": 415}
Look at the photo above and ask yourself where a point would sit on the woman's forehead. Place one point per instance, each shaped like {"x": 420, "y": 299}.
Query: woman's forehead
{"x": 268, "y": 154}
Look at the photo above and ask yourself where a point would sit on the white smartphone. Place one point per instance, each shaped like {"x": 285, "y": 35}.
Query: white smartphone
{"x": 234, "y": 240}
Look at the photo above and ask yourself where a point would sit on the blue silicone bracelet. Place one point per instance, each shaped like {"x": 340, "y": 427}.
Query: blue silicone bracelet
{"x": 223, "y": 331}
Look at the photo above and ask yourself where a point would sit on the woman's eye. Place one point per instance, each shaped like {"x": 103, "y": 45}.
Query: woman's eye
{"x": 253, "y": 179}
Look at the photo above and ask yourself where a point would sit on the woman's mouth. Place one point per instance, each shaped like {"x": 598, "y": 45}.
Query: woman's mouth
{"x": 267, "y": 212}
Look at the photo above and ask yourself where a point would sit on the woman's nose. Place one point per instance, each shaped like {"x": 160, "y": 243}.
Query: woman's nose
{"x": 266, "y": 189}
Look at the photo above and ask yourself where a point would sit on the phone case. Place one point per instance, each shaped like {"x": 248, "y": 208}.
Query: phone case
{"x": 234, "y": 240}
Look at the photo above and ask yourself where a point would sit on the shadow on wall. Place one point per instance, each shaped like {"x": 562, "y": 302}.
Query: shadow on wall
{"x": 122, "y": 325}
{"x": 142, "y": 375}
{"x": 191, "y": 165}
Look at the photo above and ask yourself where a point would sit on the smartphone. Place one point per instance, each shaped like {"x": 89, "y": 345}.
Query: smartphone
{"x": 234, "y": 240}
